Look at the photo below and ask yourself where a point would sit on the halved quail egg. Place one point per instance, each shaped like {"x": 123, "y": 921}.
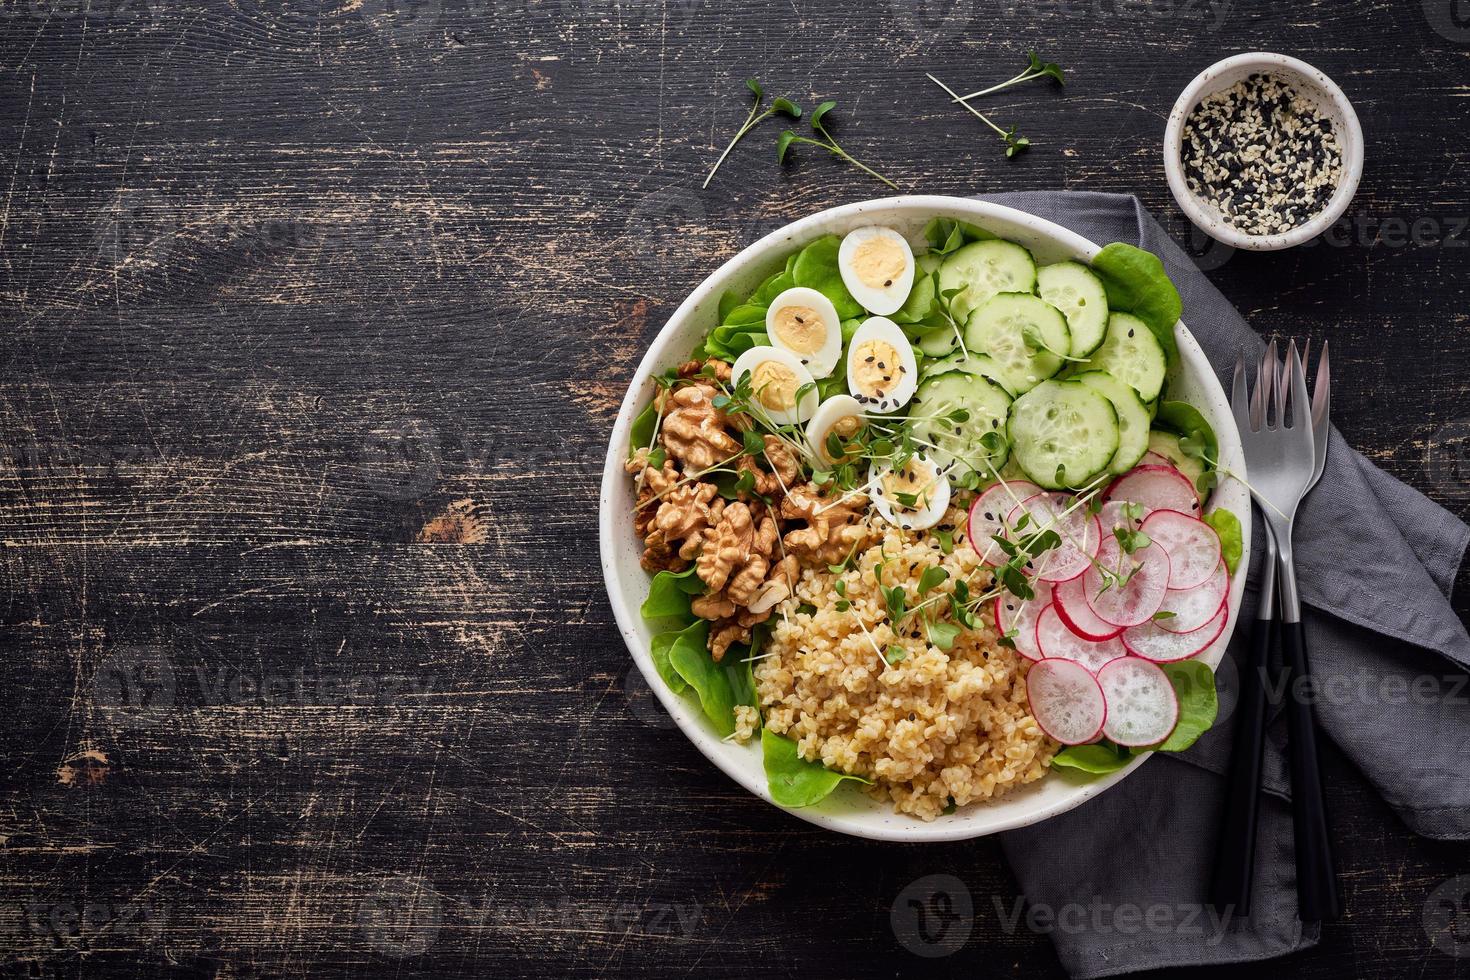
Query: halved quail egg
{"x": 804, "y": 322}
{"x": 913, "y": 496}
{"x": 877, "y": 267}
{"x": 779, "y": 384}
{"x": 882, "y": 372}
{"x": 840, "y": 415}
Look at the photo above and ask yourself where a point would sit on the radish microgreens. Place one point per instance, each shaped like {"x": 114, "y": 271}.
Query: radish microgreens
{"x": 826, "y": 142}
{"x": 1014, "y": 142}
{"x": 782, "y": 105}
{"x": 1035, "y": 68}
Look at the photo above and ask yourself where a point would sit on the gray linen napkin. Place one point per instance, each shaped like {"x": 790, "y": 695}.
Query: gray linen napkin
{"x": 1119, "y": 883}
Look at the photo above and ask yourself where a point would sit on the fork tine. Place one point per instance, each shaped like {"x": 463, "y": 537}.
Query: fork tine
{"x": 1300, "y": 406}
{"x": 1321, "y": 390}
{"x": 1266, "y": 377}
{"x": 1243, "y": 412}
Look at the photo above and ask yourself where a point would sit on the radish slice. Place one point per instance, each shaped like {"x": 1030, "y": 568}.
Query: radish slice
{"x": 1112, "y": 515}
{"x": 988, "y": 515}
{"x": 1078, "y": 616}
{"x": 1157, "y": 487}
{"x": 1159, "y": 645}
{"x": 1055, "y": 640}
{"x": 1017, "y": 617}
{"x": 1193, "y": 608}
{"x": 1134, "y": 601}
{"x": 1193, "y": 546}
{"x": 1066, "y": 700}
{"x": 1142, "y": 707}
{"x": 1152, "y": 458}
{"x": 1079, "y": 530}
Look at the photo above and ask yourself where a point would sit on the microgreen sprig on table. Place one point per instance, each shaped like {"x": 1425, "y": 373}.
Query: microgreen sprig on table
{"x": 1015, "y": 142}
{"x": 1035, "y": 68}
{"x": 826, "y": 142}
{"x": 782, "y": 105}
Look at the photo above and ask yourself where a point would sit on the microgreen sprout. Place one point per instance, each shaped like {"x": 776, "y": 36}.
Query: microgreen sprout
{"x": 782, "y": 105}
{"x": 1014, "y": 142}
{"x": 1035, "y": 68}
{"x": 826, "y": 142}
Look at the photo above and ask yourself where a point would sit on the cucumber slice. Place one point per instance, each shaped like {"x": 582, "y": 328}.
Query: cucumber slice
{"x": 1133, "y": 420}
{"x": 1026, "y": 336}
{"x": 1132, "y": 354}
{"x": 939, "y": 343}
{"x": 1166, "y": 444}
{"x": 982, "y": 269}
{"x": 970, "y": 362}
{"x": 1063, "y": 434}
{"x": 1073, "y": 288}
{"x": 958, "y": 444}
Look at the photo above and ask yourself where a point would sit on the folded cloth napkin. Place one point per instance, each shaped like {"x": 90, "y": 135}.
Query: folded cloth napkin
{"x": 1119, "y": 883}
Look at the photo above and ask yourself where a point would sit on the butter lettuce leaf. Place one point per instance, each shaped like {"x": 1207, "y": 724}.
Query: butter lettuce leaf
{"x": 794, "y": 781}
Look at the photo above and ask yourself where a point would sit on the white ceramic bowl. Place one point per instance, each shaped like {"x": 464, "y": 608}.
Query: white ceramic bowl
{"x": 1308, "y": 82}
{"x": 849, "y": 810}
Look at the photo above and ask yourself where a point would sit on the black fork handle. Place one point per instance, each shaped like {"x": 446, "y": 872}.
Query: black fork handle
{"x": 1235, "y": 856}
{"x": 1319, "y": 897}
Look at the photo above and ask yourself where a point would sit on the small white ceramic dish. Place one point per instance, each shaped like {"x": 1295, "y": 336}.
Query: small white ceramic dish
{"x": 849, "y": 810}
{"x": 1308, "y": 82}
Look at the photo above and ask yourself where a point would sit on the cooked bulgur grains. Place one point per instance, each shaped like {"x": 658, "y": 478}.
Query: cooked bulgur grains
{"x": 1262, "y": 155}
{"x": 933, "y": 728}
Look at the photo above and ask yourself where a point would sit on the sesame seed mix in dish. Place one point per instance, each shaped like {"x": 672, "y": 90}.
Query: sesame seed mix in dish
{"x": 921, "y": 517}
{"x": 1263, "y": 155}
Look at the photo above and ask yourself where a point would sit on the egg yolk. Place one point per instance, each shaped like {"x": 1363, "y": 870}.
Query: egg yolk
{"x": 844, "y": 428}
{"x": 878, "y": 262}
{"x": 774, "y": 385}
{"x": 912, "y": 480}
{"x": 800, "y": 328}
{"x": 875, "y": 367}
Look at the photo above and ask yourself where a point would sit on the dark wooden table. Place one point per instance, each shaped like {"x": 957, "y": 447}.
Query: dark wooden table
{"x": 315, "y": 320}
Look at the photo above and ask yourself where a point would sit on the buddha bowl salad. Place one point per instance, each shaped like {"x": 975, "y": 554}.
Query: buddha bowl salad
{"x": 922, "y": 517}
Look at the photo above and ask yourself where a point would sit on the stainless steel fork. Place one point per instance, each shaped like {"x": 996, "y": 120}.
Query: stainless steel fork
{"x": 1285, "y": 457}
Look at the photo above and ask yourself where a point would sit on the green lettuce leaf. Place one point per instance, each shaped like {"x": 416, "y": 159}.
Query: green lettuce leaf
{"x": 816, "y": 268}
{"x": 1194, "y": 684}
{"x": 1137, "y": 283}
{"x": 1232, "y": 539}
{"x": 1098, "y": 758}
{"x": 669, "y": 592}
{"x": 662, "y": 646}
{"x": 711, "y": 682}
{"x": 794, "y": 781}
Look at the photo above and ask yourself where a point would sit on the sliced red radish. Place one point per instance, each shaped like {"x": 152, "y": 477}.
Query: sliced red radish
{"x": 1016, "y": 618}
{"x": 1193, "y": 608}
{"x": 1115, "y": 513}
{"x": 1159, "y": 645}
{"x": 1156, "y": 487}
{"x": 1124, "y": 589}
{"x": 1054, "y": 639}
{"x": 1142, "y": 708}
{"x": 1066, "y": 700}
{"x": 1079, "y": 530}
{"x": 1152, "y": 458}
{"x": 1193, "y": 546}
{"x": 988, "y": 515}
{"x": 1074, "y": 611}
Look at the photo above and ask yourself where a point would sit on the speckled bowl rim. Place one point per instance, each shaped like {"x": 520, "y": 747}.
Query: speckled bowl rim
{"x": 1227, "y": 72}
{"x": 848, "y": 810}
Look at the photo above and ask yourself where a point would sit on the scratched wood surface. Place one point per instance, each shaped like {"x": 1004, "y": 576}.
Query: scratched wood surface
{"x": 315, "y": 320}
